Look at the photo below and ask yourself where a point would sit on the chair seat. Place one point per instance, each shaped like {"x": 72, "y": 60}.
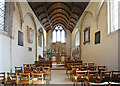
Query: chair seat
{"x": 39, "y": 82}
{"x": 23, "y": 82}
{"x": 114, "y": 83}
{"x": 99, "y": 84}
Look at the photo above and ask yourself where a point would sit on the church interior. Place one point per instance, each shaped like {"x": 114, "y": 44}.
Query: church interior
{"x": 61, "y": 42}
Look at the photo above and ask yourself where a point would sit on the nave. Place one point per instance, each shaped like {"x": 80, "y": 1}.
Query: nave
{"x": 65, "y": 43}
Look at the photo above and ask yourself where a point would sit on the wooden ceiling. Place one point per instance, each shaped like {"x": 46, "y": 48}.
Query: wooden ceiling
{"x": 51, "y": 14}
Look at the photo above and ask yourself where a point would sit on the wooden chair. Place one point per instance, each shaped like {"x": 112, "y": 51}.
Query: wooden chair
{"x": 18, "y": 70}
{"x": 99, "y": 84}
{"x": 77, "y": 64}
{"x": 26, "y": 65}
{"x": 103, "y": 80}
{"x": 102, "y": 68}
{"x": 24, "y": 78}
{"x": 47, "y": 73}
{"x": 27, "y": 70}
{"x": 37, "y": 78}
{"x": 90, "y": 64}
{"x": 36, "y": 69}
{"x": 32, "y": 65}
{"x": 47, "y": 65}
{"x": 2, "y": 78}
{"x": 73, "y": 71}
{"x": 105, "y": 76}
{"x": 68, "y": 68}
{"x": 12, "y": 78}
{"x": 92, "y": 76}
{"x": 92, "y": 68}
{"x": 83, "y": 68}
{"x": 80, "y": 77}
{"x": 84, "y": 64}
{"x": 115, "y": 77}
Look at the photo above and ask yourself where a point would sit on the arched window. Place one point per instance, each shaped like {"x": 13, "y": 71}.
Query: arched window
{"x": 58, "y": 34}
{"x": 2, "y": 13}
{"x": 113, "y": 15}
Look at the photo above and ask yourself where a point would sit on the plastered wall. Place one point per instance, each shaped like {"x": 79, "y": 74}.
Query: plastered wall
{"x": 11, "y": 54}
{"x": 105, "y": 53}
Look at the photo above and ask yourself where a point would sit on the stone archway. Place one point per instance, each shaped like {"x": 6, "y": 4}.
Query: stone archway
{"x": 41, "y": 40}
{"x": 35, "y": 33}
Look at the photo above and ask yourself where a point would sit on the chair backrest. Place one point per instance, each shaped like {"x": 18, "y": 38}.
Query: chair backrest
{"x": 24, "y": 78}
{"x": 84, "y": 64}
{"x": 81, "y": 75}
{"x": 92, "y": 67}
{"x": 90, "y": 64}
{"x": 26, "y": 65}
{"x": 12, "y": 78}
{"x": 36, "y": 69}
{"x": 47, "y": 65}
{"x": 105, "y": 76}
{"x": 115, "y": 77}
{"x": 27, "y": 69}
{"x": 102, "y": 68}
{"x": 18, "y": 70}
{"x": 45, "y": 69}
{"x": 83, "y": 68}
{"x": 75, "y": 68}
{"x": 92, "y": 76}
{"x": 32, "y": 65}
{"x": 37, "y": 78}
{"x": 2, "y": 78}
{"x": 68, "y": 65}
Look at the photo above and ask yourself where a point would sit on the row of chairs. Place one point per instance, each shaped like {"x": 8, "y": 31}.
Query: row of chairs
{"x": 45, "y": 70}
{"x": 105, "y": 78}
{"x": 22, "y": 78}
{"x": 84, "y": 68}
{"x": 72, "y": 69}
{"x": 37, "y": 65}
{"x": 83, "y": 65}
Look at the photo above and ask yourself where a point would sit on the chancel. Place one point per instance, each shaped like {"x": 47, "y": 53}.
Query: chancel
{"x": 67, "y": 42}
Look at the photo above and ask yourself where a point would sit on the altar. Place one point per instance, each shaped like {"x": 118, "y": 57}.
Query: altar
{"x": 58, "y": 50}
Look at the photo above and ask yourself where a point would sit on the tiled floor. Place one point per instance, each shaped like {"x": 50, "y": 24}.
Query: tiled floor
{"x": 60, "y": 77}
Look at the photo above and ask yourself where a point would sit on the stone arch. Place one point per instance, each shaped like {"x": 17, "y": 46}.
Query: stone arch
{"x": 35, "y": 29}
{"x": 84, "y": 15}
{"x": 99, "y": 9}
{"x": 89, "y": 13}
{"x": 40, "y": 30}
{"x": 20, "y": 13}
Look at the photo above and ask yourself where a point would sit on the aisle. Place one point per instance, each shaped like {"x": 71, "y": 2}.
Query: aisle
{"x": 60, "y": 77}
